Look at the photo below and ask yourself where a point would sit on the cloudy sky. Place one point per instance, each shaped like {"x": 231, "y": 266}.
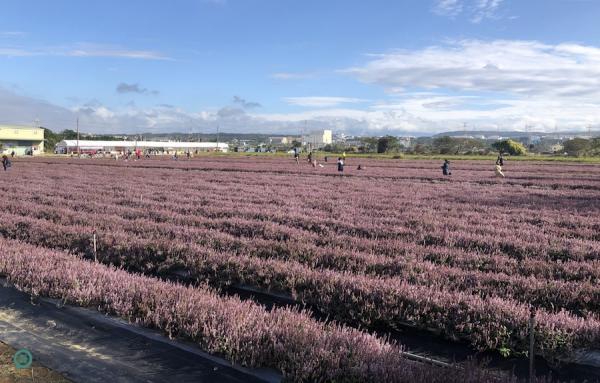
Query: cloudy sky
{"x": 281, "y": 66}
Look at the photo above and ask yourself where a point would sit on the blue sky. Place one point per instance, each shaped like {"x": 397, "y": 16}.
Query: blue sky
{"x": 361, "y": 67}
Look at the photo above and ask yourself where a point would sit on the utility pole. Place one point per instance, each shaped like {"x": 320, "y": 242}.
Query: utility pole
{"x": 217, "y": 138}
{"x": 527, "y": 127}
{"x": 304, "y": 131}
{"x": 78, "y": 151}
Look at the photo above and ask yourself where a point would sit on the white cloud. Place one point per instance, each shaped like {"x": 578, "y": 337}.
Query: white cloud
{"x": 485, "y": 9}
{"x": 414, "y": 113}
{"x": 525, "y": 68}
{"x": 506, "y": 83}
{"x": 448, "y": 8}
{"x": 10, "y": 34}
{"x": 509, "y": 84}
{"x": 84, "y": 50}
{"x": 291, "y": 76}
{"x": 322, "y": 102}
{"x": 475, "y": 10}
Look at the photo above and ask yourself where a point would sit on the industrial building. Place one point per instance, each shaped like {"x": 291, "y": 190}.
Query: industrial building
{"x": 21, "y": 140}
{"x": 169, "y": 147}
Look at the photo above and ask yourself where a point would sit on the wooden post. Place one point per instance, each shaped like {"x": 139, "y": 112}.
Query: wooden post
{"x": 532, "y": 345}
{"x": 95, "y": 251}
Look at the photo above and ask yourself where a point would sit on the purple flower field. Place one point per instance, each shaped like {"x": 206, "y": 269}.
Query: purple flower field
{"x": 393, "y": 244}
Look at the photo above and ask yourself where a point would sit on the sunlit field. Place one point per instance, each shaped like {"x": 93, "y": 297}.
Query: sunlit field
{"x": 393, "y": 245}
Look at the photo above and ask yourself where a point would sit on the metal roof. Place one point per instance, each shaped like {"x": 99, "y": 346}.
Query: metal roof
{"x": 140, "y": 144}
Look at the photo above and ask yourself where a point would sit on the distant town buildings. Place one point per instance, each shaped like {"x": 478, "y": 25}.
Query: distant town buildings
{"x": 318, "y": 138}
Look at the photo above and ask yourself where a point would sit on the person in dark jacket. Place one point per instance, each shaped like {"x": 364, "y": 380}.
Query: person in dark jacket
{"x": 446, "y": 168}
{"x": 5, "y": 162}
{"x": 500, "y": 160}
{"x": 340, "y": 165}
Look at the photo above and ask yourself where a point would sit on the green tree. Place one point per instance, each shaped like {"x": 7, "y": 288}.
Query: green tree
{"x": 511, "y": 147}
{"x": 51, "y": 139}
{"x": 369, "y": 144}
{"x": 386, "y": 144}
{"x": 578, "y": 147}
{"x": 446, "y": 145}
{"x": 68, "y": 134}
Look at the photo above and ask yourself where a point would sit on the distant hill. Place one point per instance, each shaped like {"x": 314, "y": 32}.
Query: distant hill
{"x": 505, "y": 133}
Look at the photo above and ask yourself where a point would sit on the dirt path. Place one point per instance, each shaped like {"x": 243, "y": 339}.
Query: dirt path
{"x": 86, "y": 346}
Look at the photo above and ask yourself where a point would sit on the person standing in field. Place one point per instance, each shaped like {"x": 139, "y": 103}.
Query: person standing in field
{"x": 446, "y": 168}
{"x": 296, "y": 156}
{"x": 344, "y": 157}
{"x": 310, "y": 156}
{"x": 340, "y": 165}
{"x": 12, "y": 154}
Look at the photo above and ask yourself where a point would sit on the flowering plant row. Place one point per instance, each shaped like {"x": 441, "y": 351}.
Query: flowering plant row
{"x": 290, "y": 341}
{"x": 396, "y": 243}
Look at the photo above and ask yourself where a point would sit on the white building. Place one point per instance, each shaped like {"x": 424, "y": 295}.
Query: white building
{"x": 279, "y": 140}
{"x": 318, "y": 138}
{"x": 87, "y": 146}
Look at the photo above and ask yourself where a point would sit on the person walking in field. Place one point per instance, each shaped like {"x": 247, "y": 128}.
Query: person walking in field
{"x": 498, "y": 171}
{"x": 12, "y": 154}
{"x": 340, "y": 165}
{"x": 5, "y": 162}
{"x": 344, "y": 157}
{"x": 296, "y": 156}
{"x": 500, "y": 160}
{"x": 310, "y": 157}
{"x": 446, "y": 168}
